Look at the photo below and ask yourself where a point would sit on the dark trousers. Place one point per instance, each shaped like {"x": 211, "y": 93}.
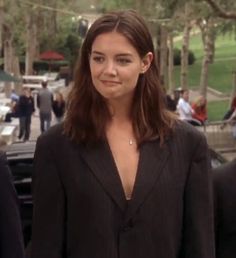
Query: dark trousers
{"x": 45, "y": 121}
{"x": 25, "y": 122}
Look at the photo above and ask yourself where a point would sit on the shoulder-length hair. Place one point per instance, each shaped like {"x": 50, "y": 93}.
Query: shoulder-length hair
{"x": 87, "y": 112}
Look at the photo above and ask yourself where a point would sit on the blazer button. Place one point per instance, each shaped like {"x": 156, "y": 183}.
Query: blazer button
{"x": 128, "y": 226}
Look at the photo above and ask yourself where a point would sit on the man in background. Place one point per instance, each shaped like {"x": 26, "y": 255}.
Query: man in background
{"x": 44, "y": 103}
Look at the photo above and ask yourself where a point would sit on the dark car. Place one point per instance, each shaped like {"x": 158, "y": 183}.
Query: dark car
{"x": 20, "y": 159}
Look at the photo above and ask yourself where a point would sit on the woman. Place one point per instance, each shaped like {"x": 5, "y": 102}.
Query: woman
{"x": 11, "y": 237}
{"x": 200, "y": 109}
{"x": 58, "y": 107}
{"x": 121, "y": 177}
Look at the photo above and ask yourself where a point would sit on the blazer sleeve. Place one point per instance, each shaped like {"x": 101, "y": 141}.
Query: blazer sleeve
{"x": 198, "y": 229}
{"x": 11, "y": 237}
{"x": 48, "y": 215}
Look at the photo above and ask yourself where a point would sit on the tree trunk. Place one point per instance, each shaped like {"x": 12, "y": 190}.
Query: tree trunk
{"x": 16, "y": 69}
{"x": 184, "y": 56}
{"x": 171, "y": 83}
{"x": 8, "y": 56}
{"x": 208, "y": 38}
{"x": 185, "y": 49}
{"x": 30, "y": 44}
{"x": 204, "y": 72}
{"x": 1, "y": 25}
{"x": 163, "y": 55}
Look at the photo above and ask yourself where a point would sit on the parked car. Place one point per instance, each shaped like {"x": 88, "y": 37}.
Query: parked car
{"x": 20, "y": 159}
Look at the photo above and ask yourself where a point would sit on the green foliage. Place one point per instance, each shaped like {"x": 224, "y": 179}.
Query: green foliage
{"x": 107, "y": 5}
{"x": 72, "y": 46}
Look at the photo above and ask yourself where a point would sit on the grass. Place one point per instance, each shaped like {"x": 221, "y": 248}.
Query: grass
{"x": 220, "y": 75}
{"x": 220, "y": 72}
{"x": 217, "y": 109}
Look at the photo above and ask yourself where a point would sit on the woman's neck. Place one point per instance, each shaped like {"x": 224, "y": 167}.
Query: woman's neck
{"x": 120, "y": 111}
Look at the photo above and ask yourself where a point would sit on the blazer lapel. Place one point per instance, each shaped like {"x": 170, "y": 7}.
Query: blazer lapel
{"x": 102, "y": 164}
{"x": 152, "y": 160}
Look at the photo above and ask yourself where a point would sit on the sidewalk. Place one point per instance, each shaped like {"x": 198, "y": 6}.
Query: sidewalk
{"x": 35, "y": 126}
{"x": 212, "y": 95}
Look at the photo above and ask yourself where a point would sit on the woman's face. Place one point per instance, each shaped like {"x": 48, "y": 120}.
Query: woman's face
{"x": 116, "y": 65}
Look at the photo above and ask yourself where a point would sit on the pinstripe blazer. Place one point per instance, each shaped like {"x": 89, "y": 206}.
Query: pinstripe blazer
{"x": 80, "y": 210}
{"x": 225, "y": 209}
{"x": 11, "y": 237}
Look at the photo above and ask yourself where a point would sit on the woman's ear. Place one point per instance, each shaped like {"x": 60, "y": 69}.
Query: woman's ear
{"x": 146, "y": 62}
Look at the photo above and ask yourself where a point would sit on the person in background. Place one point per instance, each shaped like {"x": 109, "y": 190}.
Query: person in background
{"x": 14, "y": 97}
{"x": 25, "y": 109}
{"x": 170, "y": 103}
{"x": 200, "y": 109}
{"x": 225, "y": 209}
{"x": 121, "y": 176}
{"x": 185, "y": 110}
{"x": 13, "y": 107}
{"x": 230, "y": 117}
{"x": 229, "y": 113}
{"x": 11, "y": 237}
{"x": 44, "y": 103}
{"x": 58, "y": 107}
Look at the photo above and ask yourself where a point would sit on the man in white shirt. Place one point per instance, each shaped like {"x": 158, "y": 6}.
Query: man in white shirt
{"x": 185, "y": 110}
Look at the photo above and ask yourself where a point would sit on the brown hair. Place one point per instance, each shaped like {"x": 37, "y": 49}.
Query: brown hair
{"x": 87, "y": 111}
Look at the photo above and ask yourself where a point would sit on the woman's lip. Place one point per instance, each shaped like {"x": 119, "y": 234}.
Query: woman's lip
{"x": 108, "y": 81}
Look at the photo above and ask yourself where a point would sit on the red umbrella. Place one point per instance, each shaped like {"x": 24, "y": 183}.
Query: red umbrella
{"x": 51, "y": 55}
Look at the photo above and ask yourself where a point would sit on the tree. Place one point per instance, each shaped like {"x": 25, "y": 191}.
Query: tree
{"x": 208, "y": 39}
{"x": 229, "y": 15}
{"x": 1, "y": 24}
{"x": 171, "y": 81}
{"x": 220, "y": 11}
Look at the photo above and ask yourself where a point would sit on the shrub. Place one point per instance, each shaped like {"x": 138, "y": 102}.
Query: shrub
{"x": 177, "y": 57}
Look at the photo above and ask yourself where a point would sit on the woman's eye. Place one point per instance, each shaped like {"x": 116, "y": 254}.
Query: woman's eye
{"x": 123, "y": 61}
{"x": 98, "y": 59}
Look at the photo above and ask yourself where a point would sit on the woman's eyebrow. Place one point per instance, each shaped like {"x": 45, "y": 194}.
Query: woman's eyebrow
{"x": 97, "y": 52}
{"x": 124, "y": 54}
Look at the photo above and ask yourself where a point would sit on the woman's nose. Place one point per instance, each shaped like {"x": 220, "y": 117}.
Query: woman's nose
{"x": 110, "y": 68}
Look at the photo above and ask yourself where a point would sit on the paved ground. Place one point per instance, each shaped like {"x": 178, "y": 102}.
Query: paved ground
{"x": 212, "y": 95}
{"x": 35, "y": 126}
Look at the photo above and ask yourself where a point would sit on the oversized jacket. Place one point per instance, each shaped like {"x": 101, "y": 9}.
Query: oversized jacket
{"x": 80, "y": 210}
{"x": 224, "y": 178}
{"x": 11, "y": 236}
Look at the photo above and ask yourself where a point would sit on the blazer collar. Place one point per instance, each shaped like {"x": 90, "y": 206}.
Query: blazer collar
{"x": 151, "y": 162}
{"x": 153, "y": 158}
{"x": 100, "y": 160}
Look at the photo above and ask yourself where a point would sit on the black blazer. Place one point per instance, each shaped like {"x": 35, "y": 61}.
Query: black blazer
{"x": 80, "y": 210}
{"x": 225, "y": 210}
{"x": 11, "y": 239}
